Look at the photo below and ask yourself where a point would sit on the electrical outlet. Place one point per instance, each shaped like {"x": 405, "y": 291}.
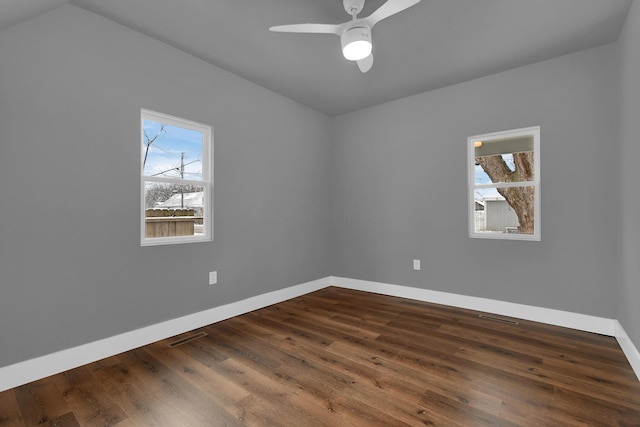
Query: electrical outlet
{"x": 416, "y": 264}
{"x": 213, "y": 277}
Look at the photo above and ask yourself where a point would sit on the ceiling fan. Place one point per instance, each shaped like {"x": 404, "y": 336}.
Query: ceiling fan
{"x": 355, "y": 35}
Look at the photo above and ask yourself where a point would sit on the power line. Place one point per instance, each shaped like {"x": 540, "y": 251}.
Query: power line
{"x": 179, "y": 168}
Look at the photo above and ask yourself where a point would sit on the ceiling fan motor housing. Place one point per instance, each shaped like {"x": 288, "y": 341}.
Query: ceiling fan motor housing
{"x": 356, "y": 43}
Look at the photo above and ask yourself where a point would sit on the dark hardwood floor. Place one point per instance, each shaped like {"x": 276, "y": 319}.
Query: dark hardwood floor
{"x": 339, "y": 357}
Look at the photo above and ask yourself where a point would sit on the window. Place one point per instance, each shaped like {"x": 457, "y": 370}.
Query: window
{"x": 504, "y": 184}
{"x": 176, "y": 183}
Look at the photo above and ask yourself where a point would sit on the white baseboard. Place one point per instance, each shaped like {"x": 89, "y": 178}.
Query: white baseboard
{"x": 630, "y": 351}
{"x": 44, "y": 366}
{"x": 584, "y": 322}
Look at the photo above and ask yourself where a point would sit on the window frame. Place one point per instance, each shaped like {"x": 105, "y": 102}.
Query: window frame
{"x": 206, "y": 182}
{"x": 533, "y": 131}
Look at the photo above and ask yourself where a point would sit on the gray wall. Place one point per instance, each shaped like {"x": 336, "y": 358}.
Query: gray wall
{"x": 629, "y": 295}
{"x": 399, "y": 188}
{"x": 71, "y": 267}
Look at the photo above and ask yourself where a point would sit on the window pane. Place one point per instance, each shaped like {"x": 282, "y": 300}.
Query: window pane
{"x": 510, "y": 167}
{"x": 173, "y": 209}
{"x": 504, "y": 210}
{"x": 504, "y": 174}
{"x": 171, "y": 151}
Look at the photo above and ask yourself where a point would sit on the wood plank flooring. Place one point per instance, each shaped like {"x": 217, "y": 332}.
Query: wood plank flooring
{"x": 340, "y": 357}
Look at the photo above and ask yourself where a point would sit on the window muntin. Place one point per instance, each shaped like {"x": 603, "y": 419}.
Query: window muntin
{"x": 176, "y": 182}
{"x": 504, "y": 186}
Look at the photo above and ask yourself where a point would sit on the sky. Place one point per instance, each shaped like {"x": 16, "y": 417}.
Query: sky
{"x": 164, "y": 156}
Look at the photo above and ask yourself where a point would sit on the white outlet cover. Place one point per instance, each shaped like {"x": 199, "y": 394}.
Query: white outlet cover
{"x": 416, "y": 264}
{"x": 213, "y": 277}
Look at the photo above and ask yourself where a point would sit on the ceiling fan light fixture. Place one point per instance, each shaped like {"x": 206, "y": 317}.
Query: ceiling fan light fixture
{"x": 356, "y": 43}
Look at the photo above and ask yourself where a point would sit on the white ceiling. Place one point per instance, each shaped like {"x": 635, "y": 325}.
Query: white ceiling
{"x": 431, "y": 45}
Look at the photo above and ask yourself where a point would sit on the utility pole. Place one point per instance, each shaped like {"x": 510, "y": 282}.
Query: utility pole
{"x": 182, "y": 177}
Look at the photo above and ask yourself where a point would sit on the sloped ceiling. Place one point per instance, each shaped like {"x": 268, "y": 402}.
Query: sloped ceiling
{"x": 431, "y": 45}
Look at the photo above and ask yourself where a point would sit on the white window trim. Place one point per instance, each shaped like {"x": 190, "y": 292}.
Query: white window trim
{"x": 206, "y": 183}
{"x": 529, "y": 131}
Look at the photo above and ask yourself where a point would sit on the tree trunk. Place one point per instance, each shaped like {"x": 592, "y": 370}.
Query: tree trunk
{"x": 521, "y": 199}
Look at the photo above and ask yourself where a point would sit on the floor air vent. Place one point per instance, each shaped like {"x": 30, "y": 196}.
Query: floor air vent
{"x": 188, "y": 339}
{"x": 498, "y": 319}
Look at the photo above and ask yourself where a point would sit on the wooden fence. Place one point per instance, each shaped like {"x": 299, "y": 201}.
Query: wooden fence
{"x": 170, "y": 222}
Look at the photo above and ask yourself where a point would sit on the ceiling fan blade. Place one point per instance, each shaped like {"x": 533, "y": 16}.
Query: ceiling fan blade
{"x": 391, "y": 7}
{"x": 366, "y": 63}
{"x": 307, "y": 28}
